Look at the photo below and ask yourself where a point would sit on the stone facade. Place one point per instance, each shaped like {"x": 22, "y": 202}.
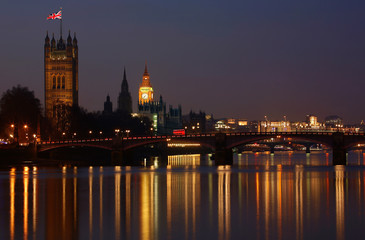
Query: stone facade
{"x": 61, "y": 84}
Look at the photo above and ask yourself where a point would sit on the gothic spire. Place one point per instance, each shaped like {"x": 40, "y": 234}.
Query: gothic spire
{"x": 69, "y": 39}
{"x": 53, "y": 42}
{"x": 125, "y": 83}
{"x": 75, "y": 40}
{"x": 47, "y": 40}
{"x": 124, "y": 99}
{"x": 145, "y": 70}
{"x": 124, "y": 75}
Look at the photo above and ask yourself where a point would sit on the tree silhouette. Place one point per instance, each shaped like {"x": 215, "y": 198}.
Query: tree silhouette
{"x": 19, "y": 107}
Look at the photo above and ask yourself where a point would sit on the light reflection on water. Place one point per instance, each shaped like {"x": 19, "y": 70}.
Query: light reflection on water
{"x": 262, "y": 196}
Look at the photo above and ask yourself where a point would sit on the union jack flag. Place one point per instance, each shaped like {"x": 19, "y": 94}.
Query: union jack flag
{"x": 54, "y": 16}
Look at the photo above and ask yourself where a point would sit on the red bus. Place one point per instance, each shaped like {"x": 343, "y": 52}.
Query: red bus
{"x": 180, "y": 132}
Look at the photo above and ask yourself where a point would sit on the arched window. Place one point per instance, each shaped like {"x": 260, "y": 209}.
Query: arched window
{"x": 63, "y": 82}
{"x": 58, "y": 82}
{"x": 54, "y": 82}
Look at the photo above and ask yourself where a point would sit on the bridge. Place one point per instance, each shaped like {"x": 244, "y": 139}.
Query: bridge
{"x": 220, "y": 143}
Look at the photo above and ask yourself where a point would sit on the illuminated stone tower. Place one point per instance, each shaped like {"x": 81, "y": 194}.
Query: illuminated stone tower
{"x": 163, "y": 122}
{"x": 61, "y": 83}
{"x": 145, "y": 89}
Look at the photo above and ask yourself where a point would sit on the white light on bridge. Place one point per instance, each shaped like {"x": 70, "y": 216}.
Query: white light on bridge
{"x": 184, "y": 145}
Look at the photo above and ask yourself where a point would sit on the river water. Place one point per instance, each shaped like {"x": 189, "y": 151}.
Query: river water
{"x": 261, "y": 196}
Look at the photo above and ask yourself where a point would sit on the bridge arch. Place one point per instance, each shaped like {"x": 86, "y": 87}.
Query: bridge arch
{"x": 70, "y": 145}
{"x": 354, "y": 144}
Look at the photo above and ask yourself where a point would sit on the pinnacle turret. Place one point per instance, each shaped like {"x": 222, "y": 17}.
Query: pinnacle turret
{"x": 69, "y": 39}
{"x": 61, "y": 44}
{"x": 53, "y": 42}
{"x": 46, "y": 40}
{"x": 124, "y": 75}
{"x": 75, "y": 40}
{"x": 145, "y": 70}
{"x": 124, "y": 83}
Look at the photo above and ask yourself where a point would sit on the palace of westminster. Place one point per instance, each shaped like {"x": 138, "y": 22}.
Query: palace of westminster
{"x": 61, "y": 83}
{"x": 61, "y": 93}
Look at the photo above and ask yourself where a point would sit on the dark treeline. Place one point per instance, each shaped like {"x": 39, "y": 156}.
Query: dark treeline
{"x": 95, "y": 124}
{"x": 21, "y": 118}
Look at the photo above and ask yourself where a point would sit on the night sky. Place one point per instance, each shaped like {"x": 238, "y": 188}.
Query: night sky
{"x": 243, "y": 59}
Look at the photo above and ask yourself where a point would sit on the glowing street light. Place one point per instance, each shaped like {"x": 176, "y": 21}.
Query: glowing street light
{"x": 127, "y": 131}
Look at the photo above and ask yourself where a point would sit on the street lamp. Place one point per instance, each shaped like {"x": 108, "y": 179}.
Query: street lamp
{"x": 12, "y": 132}
{"x": 26, "y": 129}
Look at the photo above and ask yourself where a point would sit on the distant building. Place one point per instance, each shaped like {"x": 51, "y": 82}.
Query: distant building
{"x": 221, "y": 126}
{"x": 311, "y": 124}
{"x": 61, "y": 80}
{"x": 274, "y": 126}
{"x": 173, "y": 120}
{"x": 209, "y": 123}
{"x": 125, "y": 99}
{"x": 232, "y": 125}
{"x": 333, "y": 121}
{"x": 195, "y": 122}
{"x": 362, "y": 126}
{"x": 155, "y": 111}
{"x": 311, "y": 120}
{"x": 108, "y": 107}
{"x": 254, "y": 126}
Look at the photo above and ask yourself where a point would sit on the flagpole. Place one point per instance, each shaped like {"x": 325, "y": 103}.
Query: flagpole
{"x": 61, "y": 23}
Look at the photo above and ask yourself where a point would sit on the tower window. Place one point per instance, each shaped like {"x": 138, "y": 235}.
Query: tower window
{"x": 54, "y": 83}
{"x": 63, "y": 82}
{"x": 58, "y": 82}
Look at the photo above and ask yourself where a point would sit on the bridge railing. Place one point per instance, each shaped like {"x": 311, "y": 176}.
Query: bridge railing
{"x": 291, "y": 133}
{"x": 74, "y": 141}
